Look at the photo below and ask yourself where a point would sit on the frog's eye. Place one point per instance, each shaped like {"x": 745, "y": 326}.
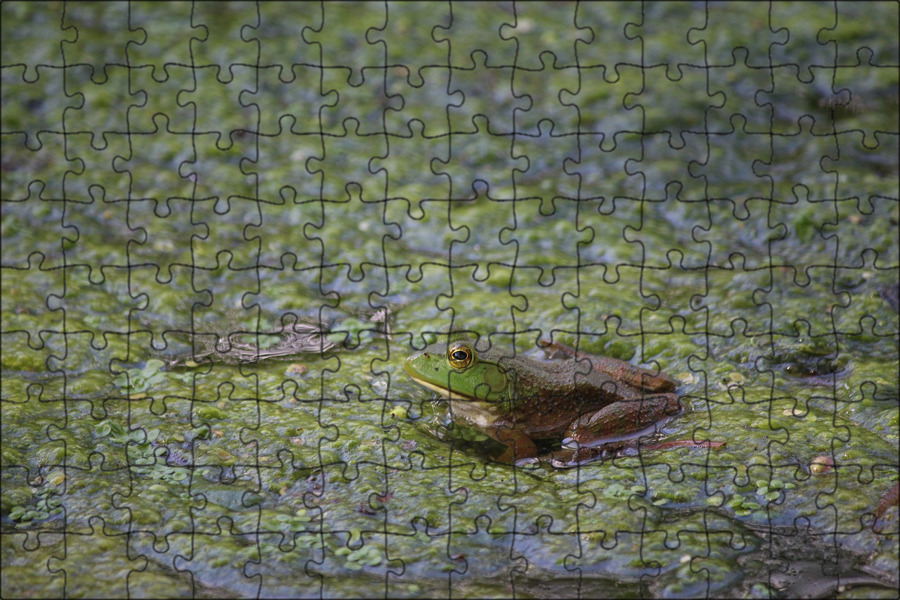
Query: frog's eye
{"x": 460, "y": 356}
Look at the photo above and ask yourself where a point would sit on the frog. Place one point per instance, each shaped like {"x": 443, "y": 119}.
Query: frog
{"x": 590, "y": 402}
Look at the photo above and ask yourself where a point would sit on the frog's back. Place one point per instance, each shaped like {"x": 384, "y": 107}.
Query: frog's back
{"x": 548, "y": 396}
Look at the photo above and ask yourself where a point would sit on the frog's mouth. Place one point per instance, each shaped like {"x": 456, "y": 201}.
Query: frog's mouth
{"x": 445, "y": 393}
{"x": 477, "y": 412}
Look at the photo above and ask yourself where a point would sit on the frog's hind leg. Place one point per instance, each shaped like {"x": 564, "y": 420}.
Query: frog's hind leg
{"x": 622, "y": 420}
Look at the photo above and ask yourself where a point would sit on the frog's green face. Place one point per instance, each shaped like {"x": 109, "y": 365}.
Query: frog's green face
{"x": 458, "y": 372}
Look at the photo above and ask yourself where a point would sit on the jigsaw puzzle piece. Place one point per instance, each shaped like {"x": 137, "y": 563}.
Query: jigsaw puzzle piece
{"x": 224, "y": 40}
{"x": 663, "y": 31}
{"x": 548, "y": 153}
{"x": 368, "y": 215}
{"x": 47, "y": 102}
{"x": 473, "y": 30}
{"x": 413, "y": 25}
{"x": 350, "y": 99}
{"x": 103, "y": 108}
{"x": 537, "y": 29}
{"x": 286, "y": 21}
{"x": 468, "y": 246}
{"x": 429, "y": 104}
{"x": 214, "y": 559}
{"x": 666, "y": 159}
{"x": 289, "y": 103}
{"x": 411, "y": 165}
{"x": 605, "y": 168}
{"x": 729, "y": 32}
{"x": 93, "y": 26}
{"x": 730, "y": 112}
{"x": 31, "y": 53}
{"x": 794, "y": 197}
{"x": 345, "y": 43}
{"x": 478, "y": 112}
{"x": 222, "y": 248}
{"x": 613, "y": 44}
{"x": 290, "y": 539}
{"x": 95, "y": 551}
{"x": 25, "y": 559}
{"x": 480, "y": 159}
{"x": 539, "y": 259}
{"x": 346, "y": 162}
{"x": 873, "y": 199}
{"x": 734, "y": 288}
{"x": 237, "y": 119}
{"x": 159, "y": 107}
{"x": 803, "y": 25}
{"x": 546, "y": 98}
{"x": 602, "y": 299}
{"x": 51, "y": 186}
{"x": 155, "y": 172}
{"x": 164, "y": 39}
{"x": 96, "y": 182}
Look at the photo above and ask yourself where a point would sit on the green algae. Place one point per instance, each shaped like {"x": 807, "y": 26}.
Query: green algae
{"x": 775, "y": 311}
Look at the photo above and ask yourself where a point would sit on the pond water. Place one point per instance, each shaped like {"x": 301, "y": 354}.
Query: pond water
{"x": 710, "y": 190}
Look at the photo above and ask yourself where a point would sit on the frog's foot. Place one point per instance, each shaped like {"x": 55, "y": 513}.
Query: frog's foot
{"x": 581, "y": 455}
{"x": 568, "y": 459}
{"x": 684, "y": 444}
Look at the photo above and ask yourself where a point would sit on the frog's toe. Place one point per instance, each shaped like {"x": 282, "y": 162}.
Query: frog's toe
{"x": 558, "y": 463}
{"x": 567, "y": 459}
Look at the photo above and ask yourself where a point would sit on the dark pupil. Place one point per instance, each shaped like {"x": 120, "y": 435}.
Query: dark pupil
{"x": 459, "y": 355}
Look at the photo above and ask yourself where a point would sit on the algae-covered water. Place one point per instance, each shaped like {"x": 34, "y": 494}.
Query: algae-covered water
{"x": 707, "y": 189}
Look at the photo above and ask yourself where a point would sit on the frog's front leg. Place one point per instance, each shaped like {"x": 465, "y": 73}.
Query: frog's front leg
{"x": 519, "y": 446}
{"x": 622, "y": 420}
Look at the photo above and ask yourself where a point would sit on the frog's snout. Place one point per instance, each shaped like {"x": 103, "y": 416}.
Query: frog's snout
{"x": 408, "y": 363}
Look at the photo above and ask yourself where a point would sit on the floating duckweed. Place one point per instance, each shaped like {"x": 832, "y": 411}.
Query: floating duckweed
{"x": 367, "y": 556}
{"x": 296, "y": 369}
{"x": 210, "y": 413}
{"x": 139, "y": 380}
{"x": 399, "y": 412}
{"x": 56, "y": 477}
{"x": 741, "y": 506}
{"x": 772, "y": 490}
{"x": 47, "y": 505}
{"x": 686, "y": 378}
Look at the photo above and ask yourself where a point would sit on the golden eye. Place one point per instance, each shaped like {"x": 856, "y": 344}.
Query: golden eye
{"x": 459, "y": 355}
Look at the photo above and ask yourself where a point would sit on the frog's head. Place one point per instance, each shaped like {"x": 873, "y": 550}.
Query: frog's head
{"x": 458, "y": 372}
